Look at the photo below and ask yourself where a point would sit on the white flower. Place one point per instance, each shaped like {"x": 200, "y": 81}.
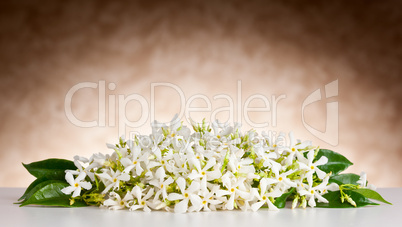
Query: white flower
{"x": 263, "y": 197}
{"x": 134, "y": 162}
{"x": 209, "y": 200}
{"x": 165, "y": 161}
{"x": 294, "y": 148}
{"x": 189, "y": 194}
{"x": 116, "y": 203}
{"x": 180, "y": 163}
{"x": 235, "y": 188}
{"x": 80, "y": 168}
{"x": 363, "y": 182}
{"x": 275, "y": 144}
{"x": 122, "y": 150}
{"x": 221, "y": 129}
{"x": 142, "y": 202}
{"x": 204, "y": 174}
{"x": 315, "y": 192}
{"x": 98, "y": 159}
{"x": 208, "y": 170}
{"x": 112, "y": 179}
{"x": 282, "y": 181}
{"x": 75, "y": 185}
{"x": 243, "y": 165}
{"x": 312, "y": 167}
{"x": 267, "y": 159}
{"x": 161, "y": 183}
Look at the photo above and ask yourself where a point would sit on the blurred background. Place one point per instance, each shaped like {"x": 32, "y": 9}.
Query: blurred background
{"x": 203, "y": 47}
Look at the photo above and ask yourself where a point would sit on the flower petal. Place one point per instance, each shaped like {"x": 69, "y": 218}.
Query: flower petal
{"x": 311, "y": 201}
{"x": 137, "y": 192}
{"x": 212, "y": 175}
{"x": 149, "y": 194}
{"x": 135, "y": 207}
{"x": 211, "y": 162}
{"x": 322, "y": 161}
{"x": 70, "y": 179}
{"x": 257, "y": 205}
{"x": 168, "y": 181}
{"x": 175, "y": 196}
{"x": 86, "y": 185}
{"x": 181, "y": 183}
{"x": 110, "y": 202}
{"x": 271, "y": 206}
{"x": 263, "y": 185}
{"x": 196, "y": 201}
{"x": 138, "y": 169}
{"x": 126, "y": 162}
{"x": 321, "y": 174}
{"x": 77, "y": 192}
{"x": 193, "y": 187}
{"x": 230, "y": 204}
{"x": 105, "y": 176}
{"x": 124, "y": 177}
{"x": 81, "y": 177}
{"x": 68, "y": 190}
{"x": 310, "y": 156}
{"x": 181, "y": 207}
{"x": 160, "y": 173}
{"x": 146, "y": 209}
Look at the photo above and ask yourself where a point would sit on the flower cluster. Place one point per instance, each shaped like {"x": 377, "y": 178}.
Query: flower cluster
{"x": 216, "y": 167}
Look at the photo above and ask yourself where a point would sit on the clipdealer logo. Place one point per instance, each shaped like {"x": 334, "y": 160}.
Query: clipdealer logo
{"x": 235, "y": 107}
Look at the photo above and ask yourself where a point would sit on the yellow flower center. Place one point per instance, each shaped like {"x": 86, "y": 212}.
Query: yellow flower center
{"x": 264, "y": 198}
{"x": 182, "y": 166}
{"x": 76, "y": 185}
{"x": 239, "y": 166}
{"x": 143, "y": 203}
{"x": 186, "y": 195}
{"x": 311, "y": 167}
{"x": 114, "y": 180}
{"x": 161, "y": 186}
{"x": 203, "y": 173}
{"x": 280, "y": 179}
{"x": 198, "y": 157}
{"x": 121, "y": 203}
{"x": 204, "y": 202}
{"x": 293, "y": 149}
{"x": 163, "y": 162}
{"x": 274, "y": 145}
{"x": 312, "y": 192}
{"x": 135, "y": 162}
{"x": 232, "y": 189}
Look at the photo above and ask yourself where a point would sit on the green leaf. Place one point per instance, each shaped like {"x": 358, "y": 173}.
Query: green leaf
{"x": 38, "y": 187}
{"x": 334, "y": 199}
{"x": 346, "y": 178}
{"x": 371, "y": 194}
{"x": 50, "y": 194}
{"x": 31, "y": 187}
{"x": 280, "y": 202}
{"x": 53, "y": 169}
{"x": 336, "y": 162}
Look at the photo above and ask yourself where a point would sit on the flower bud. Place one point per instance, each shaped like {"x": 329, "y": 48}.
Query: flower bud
{"x": 295, "y": 201}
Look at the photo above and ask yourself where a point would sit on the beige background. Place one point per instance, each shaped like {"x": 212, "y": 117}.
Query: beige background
{"x": 204, "y": 48}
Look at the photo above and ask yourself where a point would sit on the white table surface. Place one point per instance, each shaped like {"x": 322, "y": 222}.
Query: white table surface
{"x": 383, "y": 215}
